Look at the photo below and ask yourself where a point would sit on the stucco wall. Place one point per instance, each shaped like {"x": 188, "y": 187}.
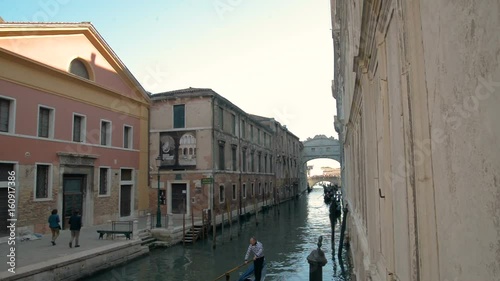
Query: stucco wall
{"x": 59, "y": 50}
{"x": 420, "y": 139}
{"x": 462, "y": 54}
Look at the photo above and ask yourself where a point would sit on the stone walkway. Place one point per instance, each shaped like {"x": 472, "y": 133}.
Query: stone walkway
{"x": 36, "y": 251}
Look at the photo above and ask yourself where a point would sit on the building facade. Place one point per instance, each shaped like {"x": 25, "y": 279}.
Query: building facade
{"x": 417, "y": 90}
{"x": 199, "y": 134}
{"x": 73, "y": 126}
{"x": 290, "y": 169}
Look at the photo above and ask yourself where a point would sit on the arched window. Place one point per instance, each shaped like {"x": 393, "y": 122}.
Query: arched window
{"x": 79, "y": 68}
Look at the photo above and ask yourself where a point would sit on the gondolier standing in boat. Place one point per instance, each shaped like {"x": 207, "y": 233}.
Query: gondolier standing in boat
{"x": 258, "y": 260}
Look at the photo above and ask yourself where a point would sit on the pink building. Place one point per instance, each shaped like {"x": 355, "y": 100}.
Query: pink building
{"x": 73, "y": 127}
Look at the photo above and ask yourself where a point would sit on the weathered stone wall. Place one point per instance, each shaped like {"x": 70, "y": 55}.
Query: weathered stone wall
{"x": 418, "y": 87}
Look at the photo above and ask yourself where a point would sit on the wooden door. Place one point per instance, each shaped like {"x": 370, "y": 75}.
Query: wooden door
{"x": 125, "y": 200}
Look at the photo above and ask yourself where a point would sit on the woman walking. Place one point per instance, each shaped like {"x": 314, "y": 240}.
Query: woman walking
{"x": 75, "y": 222}
{"x": 54, "y": 225}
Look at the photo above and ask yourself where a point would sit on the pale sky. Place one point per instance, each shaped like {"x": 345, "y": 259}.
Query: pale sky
{"x": 269, "y": 57}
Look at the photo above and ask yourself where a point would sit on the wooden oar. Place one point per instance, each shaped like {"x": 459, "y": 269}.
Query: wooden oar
{"x": 230, "y": 271}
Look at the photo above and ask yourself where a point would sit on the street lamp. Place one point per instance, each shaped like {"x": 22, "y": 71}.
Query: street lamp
{"x": 158, "y": 211}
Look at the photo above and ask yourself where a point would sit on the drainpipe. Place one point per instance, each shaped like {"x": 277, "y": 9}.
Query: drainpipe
{"x": 149, "y": 156}
{"x": 212, "y": 191}
{"x": 239, "y": 179}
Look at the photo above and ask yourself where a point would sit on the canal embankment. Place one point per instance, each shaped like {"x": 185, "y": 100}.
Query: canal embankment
{"x": 289, "y": 232}
{"x": 81, "y": 264}
{"x": 39, "y": 260}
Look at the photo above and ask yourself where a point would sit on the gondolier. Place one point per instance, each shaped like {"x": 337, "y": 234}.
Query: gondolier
{"x": 257, "y": 249}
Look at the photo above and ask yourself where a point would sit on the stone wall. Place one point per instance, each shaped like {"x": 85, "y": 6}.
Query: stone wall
{"x": 417, "y": 87}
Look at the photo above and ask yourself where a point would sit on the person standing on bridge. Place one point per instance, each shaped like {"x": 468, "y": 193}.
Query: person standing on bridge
{"x": 258, "y": 260}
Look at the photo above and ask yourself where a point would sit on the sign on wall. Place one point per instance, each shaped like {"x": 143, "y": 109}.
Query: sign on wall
{"x": 178, "y": 150}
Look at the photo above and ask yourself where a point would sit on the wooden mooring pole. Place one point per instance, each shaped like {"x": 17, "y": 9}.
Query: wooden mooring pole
{"x": 229, "y": 216}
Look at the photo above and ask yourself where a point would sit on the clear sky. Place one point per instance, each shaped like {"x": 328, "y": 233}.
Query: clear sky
{"x": 269, "y": 57}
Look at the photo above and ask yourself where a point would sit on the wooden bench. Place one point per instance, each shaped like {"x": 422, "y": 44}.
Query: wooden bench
{"x": 111, "y": 232}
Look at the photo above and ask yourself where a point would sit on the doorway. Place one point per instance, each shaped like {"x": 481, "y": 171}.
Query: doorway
{"x": 72, "y": 197}
{"x": 125, "y": 200}
{"x": 179, "y": 198}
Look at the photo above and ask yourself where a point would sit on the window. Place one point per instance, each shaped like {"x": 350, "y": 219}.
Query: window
{"x": 179, "y": 116}
{"x": 126, "y": 175}
{"x": 222, "y": 194}
{"x": 244, "y": 159}
{"x": 7, "y": 116}
{"x": 265, "y": 163}
{"x": 243, "y": 129}
{"x": 79, "y": 68}
{"x": 79, "y": 125}
{"x": 233, "y": 157}
{"x": 244, "y": 191}
{"x": 259, "y": 162}
{"x": 271, "y": 164}
{"x": 251, "y": 133}
{"x": 42, "y": 185}
{"x": 233, "y": 125}
{"x": 253, "y": 190}
{"x": 260, "y": 188}
{"x": 235, "y": 192}
{"x": 221, "y": 118}
{"x": 5, "y": 168}
{"x": 127, "y": 137}
{"x": 105, "y": 133}
{"x": 252, "y": 161}
{"x": 258, "y": 136}
{"x": 265, "y": 188}
{"x": 104, "y": 180}
{"x": 222, "y": 157}
{"x": 265, "y": 139}
{"x": 45, "y": 122}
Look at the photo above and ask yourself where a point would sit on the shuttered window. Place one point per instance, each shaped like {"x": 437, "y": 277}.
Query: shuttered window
{"x": 127, "y": 137}
{"x": 44, "y": 122}
{"x": 4, "y": 115}
{"x": 105, "y": 133}
{"x": 77, "y": 128}
{"x": 179, "y": 116}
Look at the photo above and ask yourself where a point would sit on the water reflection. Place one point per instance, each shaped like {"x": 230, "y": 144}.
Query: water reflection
{"x": 289, "y": 233}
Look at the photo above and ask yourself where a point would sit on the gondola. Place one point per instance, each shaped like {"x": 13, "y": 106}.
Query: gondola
{"x": 248, "y": 274}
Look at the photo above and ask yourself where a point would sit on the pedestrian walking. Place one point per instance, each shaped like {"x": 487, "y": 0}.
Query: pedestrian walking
{"x": 257, "y": 249}
{"x": 75, "y": 224}
{"x": 54, "y": 226}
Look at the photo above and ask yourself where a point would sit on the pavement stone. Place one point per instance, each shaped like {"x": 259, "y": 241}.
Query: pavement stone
{"x": 32, "y": 252}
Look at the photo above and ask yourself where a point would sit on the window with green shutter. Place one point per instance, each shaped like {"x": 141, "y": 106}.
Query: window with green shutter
{"x": 179, "y": 116}
{"x": 4, "y": 115}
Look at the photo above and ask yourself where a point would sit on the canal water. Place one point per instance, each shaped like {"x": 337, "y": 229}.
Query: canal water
{"x": 288, "y": 232}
